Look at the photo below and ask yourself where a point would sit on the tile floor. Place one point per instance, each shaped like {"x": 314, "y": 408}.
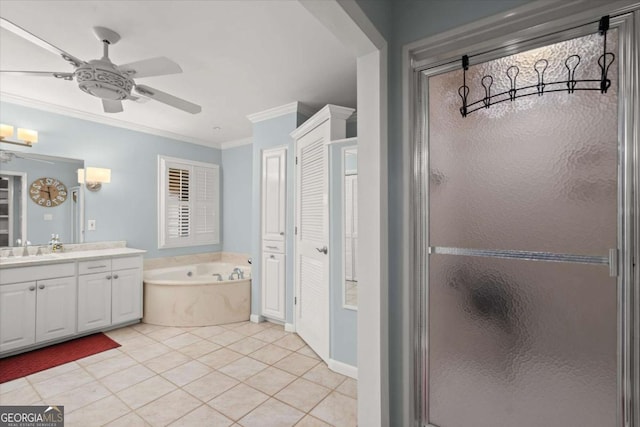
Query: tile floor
{"x": 242, "y": 374}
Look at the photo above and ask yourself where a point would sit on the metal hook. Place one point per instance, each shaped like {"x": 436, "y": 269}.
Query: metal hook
{"x": 605, "y": 83}
{"x": 487, "y": 81}
{"x": 541, "y": 66}
{"x": 572, "y": 63}
{"x": 463, "y": 91}
{"x": 512, "y": 73}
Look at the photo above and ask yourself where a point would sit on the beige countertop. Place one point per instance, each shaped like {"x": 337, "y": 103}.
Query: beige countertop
{"x": 58, "y": 257}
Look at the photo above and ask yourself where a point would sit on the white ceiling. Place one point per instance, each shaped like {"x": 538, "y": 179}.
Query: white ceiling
{"x": 238, "y": 57}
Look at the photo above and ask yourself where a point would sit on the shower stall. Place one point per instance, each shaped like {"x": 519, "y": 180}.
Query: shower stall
{"x": 525, "y": 181}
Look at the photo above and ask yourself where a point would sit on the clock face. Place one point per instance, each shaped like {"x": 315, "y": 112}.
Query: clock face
{"x": 48, "y": 192}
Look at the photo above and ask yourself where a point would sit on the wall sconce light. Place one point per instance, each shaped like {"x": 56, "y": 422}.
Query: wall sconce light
{"x": 27, "y": 136}
{"x": 93, "y": 178}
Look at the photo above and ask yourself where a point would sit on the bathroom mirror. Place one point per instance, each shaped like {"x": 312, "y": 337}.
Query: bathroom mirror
{"x": 350, "y": 215}
{"x": 22, "y": 219}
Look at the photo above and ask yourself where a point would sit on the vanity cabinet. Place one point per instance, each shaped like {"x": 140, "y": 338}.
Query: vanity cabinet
{"x": 35, "y": 311}
{"x": 109, "y": 292}
{"x": 43, "y": 304}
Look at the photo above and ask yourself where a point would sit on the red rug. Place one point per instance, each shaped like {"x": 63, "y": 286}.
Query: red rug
{"x": 24, "y": 364}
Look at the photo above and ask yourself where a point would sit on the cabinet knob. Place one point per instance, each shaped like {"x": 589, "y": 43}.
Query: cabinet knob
{"x": 109, "y": 277}
{"x": 115, "y": 276}
{"x": 282, "y": 233}
{"x": 272, "y": 256}
{"x": 32, "y": 288}
{"x": 41, "y": 287}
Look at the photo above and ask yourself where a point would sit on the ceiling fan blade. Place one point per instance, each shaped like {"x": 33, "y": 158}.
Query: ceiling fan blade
{"x": 171, "y": 100}
{"x": 21, "y": 32}
{"x": 138, "y": 99}
{"x": 159, "y": 66}
{"x": 111, "y": 106}
{"x": 56, "y": 74}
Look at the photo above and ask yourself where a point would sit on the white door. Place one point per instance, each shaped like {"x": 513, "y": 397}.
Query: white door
{"x": 126, "y": 295}
{"x": 312, "y": 261}
{"x": 274, "y": 193}
{"x": 55, "y": 308}
{"x": 273, "y": 281}
{"x": 94, "y": 301}
{"x": 17, "y": 315}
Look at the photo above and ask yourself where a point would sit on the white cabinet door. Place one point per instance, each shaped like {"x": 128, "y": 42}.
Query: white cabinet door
{"x": 274, "y": 193}
{"x": 55, "y": 308}
{"x": 273, "y": 286}
{"x": 94, "y": 301}
{"x": 17, "y": 315}
{"x": 126, "y": 295}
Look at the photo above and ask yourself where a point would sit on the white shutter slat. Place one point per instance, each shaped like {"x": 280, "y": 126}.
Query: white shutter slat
{"x": 312, "y": 185}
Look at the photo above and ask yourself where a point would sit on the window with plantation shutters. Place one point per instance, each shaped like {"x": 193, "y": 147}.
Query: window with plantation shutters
{"x": 189, "y": 199}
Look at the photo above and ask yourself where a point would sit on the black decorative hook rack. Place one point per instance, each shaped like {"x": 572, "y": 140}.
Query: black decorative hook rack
{"x": 570, "y": 85}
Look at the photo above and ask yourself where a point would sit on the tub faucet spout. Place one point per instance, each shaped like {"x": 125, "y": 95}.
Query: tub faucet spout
{"x": 218, "y": 275}
{"x": 239, "y": 272}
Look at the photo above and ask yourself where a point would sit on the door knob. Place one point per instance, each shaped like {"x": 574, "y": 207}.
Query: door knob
{"x": 323, "y": 249}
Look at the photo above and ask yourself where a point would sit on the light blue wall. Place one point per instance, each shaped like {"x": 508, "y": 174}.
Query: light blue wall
{"x": 344, "y": 322}
{"x": 38, "y": 230}
{"x": 267, "y": 134}
{"x": 237, "y": 175}
{"x": 402, "y": 22}
{"x": 125, "y": 209}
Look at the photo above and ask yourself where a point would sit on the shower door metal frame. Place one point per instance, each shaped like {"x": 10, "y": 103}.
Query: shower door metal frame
{"x": 626, "y": 19}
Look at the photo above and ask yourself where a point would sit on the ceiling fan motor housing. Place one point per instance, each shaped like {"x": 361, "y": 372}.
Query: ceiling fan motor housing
{"x": 101, "y": 79}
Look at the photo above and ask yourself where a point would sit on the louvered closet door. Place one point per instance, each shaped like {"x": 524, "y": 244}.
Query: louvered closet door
{"x": 312, "y": 261}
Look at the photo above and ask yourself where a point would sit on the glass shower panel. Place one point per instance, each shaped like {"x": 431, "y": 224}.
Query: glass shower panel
{"x": 521, "y": 343}
{"x": 536, "y": 174}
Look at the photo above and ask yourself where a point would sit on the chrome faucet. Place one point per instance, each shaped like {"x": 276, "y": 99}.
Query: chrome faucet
{"x": 238, "y": 272}
{"x": 218, "y": 275}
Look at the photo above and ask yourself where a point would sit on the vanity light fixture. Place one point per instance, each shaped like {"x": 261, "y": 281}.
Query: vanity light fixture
{"x": 93, "y": 178}
{"x": 27, "y": 137}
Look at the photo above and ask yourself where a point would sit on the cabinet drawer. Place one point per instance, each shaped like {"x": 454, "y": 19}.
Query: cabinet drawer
{"x": 94, "y": 266}
{"x": 38, "y": 272}
{"x": 272, "y": 246}
{"x": 126, "y": 262}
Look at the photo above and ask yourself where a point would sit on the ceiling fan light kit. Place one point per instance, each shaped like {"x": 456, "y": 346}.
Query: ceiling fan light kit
{"x": 102, "y": 78}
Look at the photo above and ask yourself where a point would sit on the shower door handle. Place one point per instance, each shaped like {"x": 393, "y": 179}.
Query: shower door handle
{"x": 323, "y": 250}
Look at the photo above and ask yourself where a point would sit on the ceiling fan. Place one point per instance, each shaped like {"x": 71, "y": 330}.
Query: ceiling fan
{"x": 102, "y": 78}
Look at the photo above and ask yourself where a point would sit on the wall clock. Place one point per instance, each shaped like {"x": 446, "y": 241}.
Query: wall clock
{"x": 48, "y": 192}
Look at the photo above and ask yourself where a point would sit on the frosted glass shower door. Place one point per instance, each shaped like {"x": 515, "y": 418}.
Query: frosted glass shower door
{"x": 523, "y": 212}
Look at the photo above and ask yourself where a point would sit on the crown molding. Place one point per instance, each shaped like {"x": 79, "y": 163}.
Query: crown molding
{"x": 292, "y": 107}
{"x": 71, "y": 112}
{"x": 236, "y": 143}
{"x": 327, "y": 112}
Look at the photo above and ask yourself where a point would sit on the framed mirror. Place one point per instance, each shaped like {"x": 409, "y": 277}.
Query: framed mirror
{"x": 39, "y": 196}
{"x": 350, "y": 216}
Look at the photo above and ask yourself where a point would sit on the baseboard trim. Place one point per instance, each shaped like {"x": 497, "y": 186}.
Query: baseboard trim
{"x": 289, "y": 327}
{"x": 343, "y": 368}
{"x": 256, "y": 318}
